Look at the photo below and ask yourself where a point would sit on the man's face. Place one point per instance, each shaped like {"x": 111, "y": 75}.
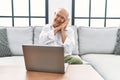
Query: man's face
{"x": 60, "y": 18}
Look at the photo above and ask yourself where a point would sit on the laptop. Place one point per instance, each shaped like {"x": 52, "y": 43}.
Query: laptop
{"x": 44, "y": 58}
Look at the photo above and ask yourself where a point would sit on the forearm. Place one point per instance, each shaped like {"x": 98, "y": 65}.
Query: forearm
{"x": 63, "y": 35}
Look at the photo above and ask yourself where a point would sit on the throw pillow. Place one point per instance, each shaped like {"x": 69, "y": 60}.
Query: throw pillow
{"x": 4, "y": 48}
{"x": 70, "y": 59}
{"x": 117, "y": 46}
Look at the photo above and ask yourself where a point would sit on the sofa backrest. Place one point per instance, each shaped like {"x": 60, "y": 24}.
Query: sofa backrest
{"x": 36, "y": 33}
{"x": 96, "y": 40}
{"x": 17, "y": 36}
{"x": 87, "y": 40}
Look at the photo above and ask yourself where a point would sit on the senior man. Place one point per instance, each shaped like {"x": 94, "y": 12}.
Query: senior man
{"x": 59, "y": 34}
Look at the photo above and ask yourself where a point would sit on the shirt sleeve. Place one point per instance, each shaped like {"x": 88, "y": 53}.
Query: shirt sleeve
{"x": 69, "y": 43}
{"x": 46, "y": 37}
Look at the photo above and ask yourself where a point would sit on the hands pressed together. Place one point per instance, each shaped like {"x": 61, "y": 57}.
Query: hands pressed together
{"x": 62, "y": 27}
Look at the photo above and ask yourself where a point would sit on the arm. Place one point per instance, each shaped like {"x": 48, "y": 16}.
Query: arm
{"x": 63, "y": 32}
{"x": 63, "y": 35}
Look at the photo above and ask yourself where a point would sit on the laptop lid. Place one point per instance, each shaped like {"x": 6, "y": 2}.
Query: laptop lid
{"x": 44, "y": 58}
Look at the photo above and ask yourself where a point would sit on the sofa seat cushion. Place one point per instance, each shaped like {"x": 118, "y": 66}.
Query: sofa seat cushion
{"x": 107, "y": 65}
{"x": 13, "y": 60}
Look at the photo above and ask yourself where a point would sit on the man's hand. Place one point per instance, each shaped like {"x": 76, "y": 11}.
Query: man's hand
{"x": 63, "y": 32}
{"x": 57, "y": 29}
{"x": 64, "y": 25}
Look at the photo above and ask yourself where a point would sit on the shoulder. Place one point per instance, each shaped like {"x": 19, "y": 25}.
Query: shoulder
{"x": 46, "y": 27}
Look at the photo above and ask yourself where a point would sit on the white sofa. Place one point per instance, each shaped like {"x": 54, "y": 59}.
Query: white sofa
{"x": 94, "y": 45}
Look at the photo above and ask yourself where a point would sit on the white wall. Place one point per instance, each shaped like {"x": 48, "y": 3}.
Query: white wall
{"x": 55, "y": 4}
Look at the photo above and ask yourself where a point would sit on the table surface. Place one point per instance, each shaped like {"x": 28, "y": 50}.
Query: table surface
{"x": 74, "y": 72}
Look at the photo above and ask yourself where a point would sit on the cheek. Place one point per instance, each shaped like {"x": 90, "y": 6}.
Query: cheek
{"x": 54, "y": 19}
{"x": 62, "y": 20}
